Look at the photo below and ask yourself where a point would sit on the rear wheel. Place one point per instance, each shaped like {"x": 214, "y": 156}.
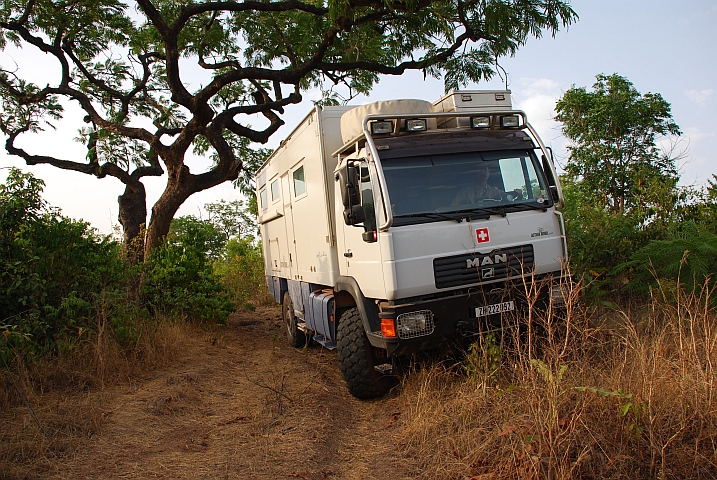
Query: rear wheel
{"x": 357, "y": 360}
{"x": 296, "y": 337}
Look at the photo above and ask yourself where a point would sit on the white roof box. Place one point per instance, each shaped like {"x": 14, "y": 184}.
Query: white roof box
{"x": 471, "y": 100}
{"x": 457, "y": 100}
{"x": 352, "y": 121}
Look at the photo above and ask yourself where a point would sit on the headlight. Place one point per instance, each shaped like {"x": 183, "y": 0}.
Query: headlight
{"x": 381, "y": 127}
{"x": 415, "y": 324}
{"x": 480, "y": 122}
{"x": 416, "y": 125}
{"x": 510, "y": 121}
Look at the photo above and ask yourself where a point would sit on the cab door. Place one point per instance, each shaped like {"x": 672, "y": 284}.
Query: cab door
{"x": 359, "y": 258}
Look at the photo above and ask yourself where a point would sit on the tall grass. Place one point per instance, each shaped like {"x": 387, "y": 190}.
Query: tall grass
{"x": 54, "y": 405}
{"x": 621, "y": 393}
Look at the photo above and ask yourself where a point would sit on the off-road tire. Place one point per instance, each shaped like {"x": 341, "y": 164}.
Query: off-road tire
{"x": 296, "y": 337}
{"x": 356, "y": 358}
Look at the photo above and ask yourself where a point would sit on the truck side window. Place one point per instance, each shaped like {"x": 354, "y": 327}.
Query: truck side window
{"x": 274, "y": 190}
{"x": 262, "y": 199}
{"x": 367, "y": 197}
{"x": 299, "y": 182}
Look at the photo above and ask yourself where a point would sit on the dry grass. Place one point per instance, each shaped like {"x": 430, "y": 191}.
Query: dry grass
{"x": 587, "y": 394}
{"x": 242, "y": 404}
{"x": 55, "y": 406}
{"x": 614, "y": 394}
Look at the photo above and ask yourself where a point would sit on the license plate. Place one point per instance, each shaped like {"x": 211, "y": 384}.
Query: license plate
{"x": 495, "y": 308}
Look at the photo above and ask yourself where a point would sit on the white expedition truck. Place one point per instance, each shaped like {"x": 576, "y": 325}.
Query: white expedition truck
{"x": 393, "y": 227}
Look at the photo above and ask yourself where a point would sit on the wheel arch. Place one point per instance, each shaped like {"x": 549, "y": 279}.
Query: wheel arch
{"x": 348, "y": 294}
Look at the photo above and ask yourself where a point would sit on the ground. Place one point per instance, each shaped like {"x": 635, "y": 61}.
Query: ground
{"x": 237, "y": 403}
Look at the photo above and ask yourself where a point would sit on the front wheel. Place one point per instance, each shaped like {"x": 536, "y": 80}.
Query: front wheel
{"x": 296, "y": 337}
{"x": 356, "y": 358}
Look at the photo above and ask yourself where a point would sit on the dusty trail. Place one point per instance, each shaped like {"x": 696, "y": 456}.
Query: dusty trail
{"x": 243, "y": 405}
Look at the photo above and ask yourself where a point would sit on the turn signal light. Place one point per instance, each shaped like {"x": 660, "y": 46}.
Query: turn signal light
{"x": 388, "y": 327}
{"x": 370, "y": 236}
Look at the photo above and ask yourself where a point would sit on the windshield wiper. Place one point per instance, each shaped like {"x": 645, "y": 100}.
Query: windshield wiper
{"x": 502, "y": 210}
{"x": 477, "y": 213}
{"x": 441, "y": 216}
{"x": 485, "y": 212}
{"x": 532, "y": 206}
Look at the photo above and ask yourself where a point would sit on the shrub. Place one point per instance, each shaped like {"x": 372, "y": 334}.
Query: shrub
{"x": 178, "y": 276}
{"x": 688, "y": 260}
{"x": 57, "y": 273}
{"x": 241, "y": 269}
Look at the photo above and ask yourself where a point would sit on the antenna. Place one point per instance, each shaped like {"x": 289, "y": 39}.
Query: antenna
{"x": 503, "y": 76}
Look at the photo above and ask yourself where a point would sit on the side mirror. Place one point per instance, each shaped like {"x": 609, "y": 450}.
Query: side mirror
{"x": 349, "y": 185}
{"x": 554, "y": 194}
{"x": 548, "y": 172}
{"x": 354, "y": 215}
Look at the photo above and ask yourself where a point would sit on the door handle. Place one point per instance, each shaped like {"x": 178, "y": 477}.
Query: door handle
{"x": 348, "y": 254}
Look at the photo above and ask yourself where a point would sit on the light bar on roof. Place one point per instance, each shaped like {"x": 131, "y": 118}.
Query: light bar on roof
{"x": 381, "y": 127}
{"x": 510, "y": 121}
{"x": 480, "y": 122}
{"x": 416, "y": 125}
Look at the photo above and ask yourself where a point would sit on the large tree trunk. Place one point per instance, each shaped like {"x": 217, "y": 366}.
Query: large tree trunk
{"x": 133, "y": 217}
{"x": 180, "y": 186}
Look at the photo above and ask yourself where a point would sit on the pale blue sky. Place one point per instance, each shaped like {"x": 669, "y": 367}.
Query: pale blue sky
{"x": 661, "y": 46}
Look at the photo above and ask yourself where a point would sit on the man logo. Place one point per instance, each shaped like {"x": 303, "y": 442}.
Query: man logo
{"x": 486, "y": 260}
{"x": 487, "y": 273}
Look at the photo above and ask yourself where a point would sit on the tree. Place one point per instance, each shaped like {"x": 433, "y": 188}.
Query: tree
{"x": 125, "y": 64}
{"x": 614, "y": 154}
{"x": 621, "y": 189}
{"x": 232, "y": 219}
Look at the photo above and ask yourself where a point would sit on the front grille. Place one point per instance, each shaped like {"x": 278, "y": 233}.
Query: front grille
{"x": 469, "y": 268}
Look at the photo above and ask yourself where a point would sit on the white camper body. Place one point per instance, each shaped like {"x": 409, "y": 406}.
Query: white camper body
{"x": 388, "y": 228}
{"x": 296, "y": 190}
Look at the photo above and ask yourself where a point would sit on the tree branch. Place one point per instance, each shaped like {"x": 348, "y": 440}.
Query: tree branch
{"x": 169, "y": 36}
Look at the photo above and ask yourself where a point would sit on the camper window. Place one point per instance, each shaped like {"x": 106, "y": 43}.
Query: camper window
{"x": 274, "y": 191}
{"x": 262, "y": 199}
{"x": 299, "y": 183}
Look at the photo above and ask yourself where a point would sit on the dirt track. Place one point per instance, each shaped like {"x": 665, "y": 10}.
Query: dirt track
{"x": 242, "y": 405}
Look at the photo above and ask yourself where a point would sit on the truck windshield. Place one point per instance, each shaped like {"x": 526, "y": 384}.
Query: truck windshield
{"x": 458, "y": 185}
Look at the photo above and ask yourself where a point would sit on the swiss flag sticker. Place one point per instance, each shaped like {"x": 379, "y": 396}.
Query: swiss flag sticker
{"x": 482, "y": 235}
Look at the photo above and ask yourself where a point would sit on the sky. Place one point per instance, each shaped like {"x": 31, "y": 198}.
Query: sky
{"x": 661, "y": 46}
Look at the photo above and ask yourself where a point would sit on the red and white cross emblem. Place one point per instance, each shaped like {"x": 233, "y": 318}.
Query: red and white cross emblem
{"x": 482, "y": 235}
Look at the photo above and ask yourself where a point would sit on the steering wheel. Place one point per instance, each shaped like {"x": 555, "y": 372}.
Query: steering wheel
{"x": 513, "y": 196}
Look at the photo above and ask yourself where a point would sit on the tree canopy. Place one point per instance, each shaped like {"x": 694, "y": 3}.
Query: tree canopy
{"x": 614, "y": 153}
{"x": 620, "y": 187}
{"x": 157, "y": 79}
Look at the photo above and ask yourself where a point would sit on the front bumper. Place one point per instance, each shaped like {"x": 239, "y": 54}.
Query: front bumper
{"x": 454, "y": 314}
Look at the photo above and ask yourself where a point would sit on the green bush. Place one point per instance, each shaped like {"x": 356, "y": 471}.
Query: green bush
{"x": 241, "y": 269}
{"x": 61, "y": 283}
{"x": 689, "y": 260}
{"x": 57, "y": 274}
{"x": 178, "y": 276}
